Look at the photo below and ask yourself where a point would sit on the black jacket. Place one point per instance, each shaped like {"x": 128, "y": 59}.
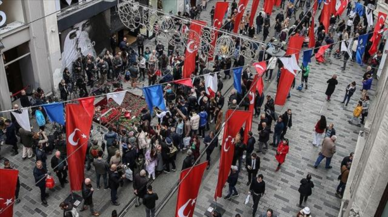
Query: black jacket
{"x": 140, "y": 184}
{"x": 264, "y": 135}
{"x": 306, "y": 187}
{"x": 249, "y": 163}
{"x": 188, "y": 162}
{"x": 287, "y": 121}
{"x": 114, "y": 180}
{"x": 232, "y": 179}
{"x": 149, "y": 200}
{"x": 39, "y": 175}
{"x": 256, "y": 187}
{"x": 251, "y": 144}
{"x": 87, "y": 194}
{"x": 58, "y": 164}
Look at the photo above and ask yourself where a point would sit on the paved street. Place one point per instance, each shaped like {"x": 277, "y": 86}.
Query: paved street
{"x": 281, "y": 193}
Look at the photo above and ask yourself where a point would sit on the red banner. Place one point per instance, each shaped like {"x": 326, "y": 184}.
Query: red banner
{"x": 286, "y": 77}
{"x": 260, "y": 67}
{"x": 186, "y": 81}
{"x": 219, "y": 13}
{"x": 78, "y": 123}
{"x": 255, "y": 5}
{"x": 188, "y": 190}
{"x": 332, "y": 4}
{"x": 325, "y": 15}
{"x": 278, "y": 3}
{"x": 240, "y": 13}
{"x": 311, "y": 29}
{"x": 268, "y": 6}
{"x": 192, "y": 47}
{"x": 8, "y": 180}
{"x": 341, "y": 9}
{"x": 232, "y": 127}
{"x": 377, "y": 32}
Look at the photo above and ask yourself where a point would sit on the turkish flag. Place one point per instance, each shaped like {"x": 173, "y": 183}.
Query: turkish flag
{"x": 319, "y": 56}
{"x": 79, "y": 119}
{"x": 8, "y": 181}
{"x": 332, "y": 6}
{"x": 240, "y": 12}
{"x": 190, "y": 179}
{"x": 268, "y": 6}
{"x": 232, "y": 127}
{"x": 341, "y": 9}
{"x": 286, "y": 77}
{"x": 278, "y": 3}
{"x": 186, "y": 81}
{"x": 255, "y": 5}
{"x": 193, "y": 44}
{"x": 311, "y": 29}
{"x": 220, "y": 10}
{"x": 260, "y": 67}
{"x": 325, "y": 15}
{"x": 377, "y": 32}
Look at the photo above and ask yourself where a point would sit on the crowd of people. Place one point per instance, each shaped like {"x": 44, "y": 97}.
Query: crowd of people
{"x": 193, "y": 117}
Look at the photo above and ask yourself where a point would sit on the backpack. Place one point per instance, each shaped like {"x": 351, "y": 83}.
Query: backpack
{"x": 127, "y": 75}
{"x": 94, "y": 153}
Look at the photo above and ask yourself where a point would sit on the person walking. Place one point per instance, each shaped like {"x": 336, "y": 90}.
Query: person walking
{"x": 281, "y": 153}
{"x": 330, "y": 131}
{"x": 59, "y": 165}
{"x": 268, "y": 213}
{"x": 252, "y": 166}
{"x": 10, "y": 136}
{"x": 27, "y": 141}
{"x": 287, "y": 120}
{"x": 278, "y": 130}
{"x": 356, "y": 114}
{"x": 332, "y": 82}
{"x": 250, "y": 143}
{"x": 305, "y": 189}
{"x": 305, "y": 212}
{"x": 319, "y": 129}
{"x": 151, "y": 162}
{"x": 263, "y": 137}
{"x": 232, "y": 180}
{"x": 140, "y": 186}
{"x": 327, "y": 151}
{"x": 305, "y": 75}
{"x": 211, "y": 143}
{"x": 101, "y": 167}
{"x": 87, "y": 195}
{"x": 365, "y": 108}
{"x": 114, "y": 183}
{"x": 189, "y": 160}
{"x": 350, "y": 89}
{"x": 257, "y": 190}
{"x": 40, "y": 175}
{"x": 149, "y": 202}
{"x": 343, "y": 178}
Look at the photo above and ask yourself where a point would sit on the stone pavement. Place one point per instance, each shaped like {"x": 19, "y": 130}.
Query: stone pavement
{"x": 281, "y": 193}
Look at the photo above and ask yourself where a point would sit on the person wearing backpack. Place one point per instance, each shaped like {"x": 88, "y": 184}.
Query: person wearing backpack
{"x": 93, "y": 152}
{"x": 101, "y": 167}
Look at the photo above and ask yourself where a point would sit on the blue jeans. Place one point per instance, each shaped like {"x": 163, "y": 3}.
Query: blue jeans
{"x": 105, "y": 177}
{"x": 231, "y": 190}
{"x": 341, "y": 188}
{"x": 346, "y": 98}
{"x": 276, "y": 139}
{"x": 258, "y": 29}
{"x": 320, "y": 158}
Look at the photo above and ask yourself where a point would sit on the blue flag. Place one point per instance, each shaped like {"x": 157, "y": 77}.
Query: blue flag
{"x": 154, "y": 97}
{"x": 54, "y": 112}
{"x": 359, "y": 9}
{"x": 362, "y": 40}
{"x": 237, "y": 79}
{"x": 307, "y": 57}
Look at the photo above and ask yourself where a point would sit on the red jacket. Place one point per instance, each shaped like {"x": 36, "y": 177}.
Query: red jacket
{"x": 317, "y": 129}
{"x": 281, "y": 152}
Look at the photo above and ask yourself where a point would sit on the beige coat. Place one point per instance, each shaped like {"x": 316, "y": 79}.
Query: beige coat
{"x": 328, "y": 147}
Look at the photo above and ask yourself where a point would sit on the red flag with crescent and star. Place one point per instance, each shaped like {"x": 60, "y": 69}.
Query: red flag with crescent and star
{"x": 268, "y": 6}
{"x": 255, "y": 5}
{"x": 377, "y": 32}
{"x": 260, "y": 67}
{"x": 220, "y": 10}
{"x": 192, "y": 46}
{"x": 191, "y": 179}
{"x": 343, "y": 6}
{"x": 311, "y": 28}
{"x": 79, "y": 119}
{"x": 325, "y": 14}
{"x": 235, "y": 120}
{"x": 240, "y": 13}
{"x": 8, "y": 180}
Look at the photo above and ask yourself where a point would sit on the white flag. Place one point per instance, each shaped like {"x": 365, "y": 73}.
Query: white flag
{"x": 345, "y": 47}
{"x": 118, "y": 97}
{"x": 290, "y": 63}
{"x": 69, "y": 2}
{"x": 23, "y": 119}
{"x": 369, "y": 16}
{"x": 211, "y": 84}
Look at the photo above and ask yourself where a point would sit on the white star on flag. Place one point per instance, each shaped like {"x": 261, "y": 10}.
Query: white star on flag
{"x": 84, "y": 136}
{"x": 8, "y": 202}
{"x": 290, "y": 63}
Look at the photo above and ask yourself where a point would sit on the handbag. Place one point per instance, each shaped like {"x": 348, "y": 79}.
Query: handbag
{"x": 247, "y": 199}
{"x": 340, "y": 175}
{"x": 173, "y": 149}
{"x": 50, "y": 183}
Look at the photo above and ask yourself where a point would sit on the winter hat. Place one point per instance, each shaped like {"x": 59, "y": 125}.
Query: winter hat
{"x": 168, "y": 141}
{"x": 306, "y": 210}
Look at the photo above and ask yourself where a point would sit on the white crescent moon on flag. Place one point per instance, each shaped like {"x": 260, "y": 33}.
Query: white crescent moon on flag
{"x": 226, "y": 142}
{"x": 216, "y": 22}
{"x": 383, "y": 18}
{"x": 182, "y": 209}
{"x": 259, "y": 66}
{"x": 188, "y": 47}
{"x": 327, "y": 2}
{"x": 71, "y": 137}
{"x": 253, "y": 97}
{"x": 239, "y": 8}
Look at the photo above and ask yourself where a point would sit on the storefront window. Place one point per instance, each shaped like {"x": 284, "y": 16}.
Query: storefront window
{"x": 11, "y": 15}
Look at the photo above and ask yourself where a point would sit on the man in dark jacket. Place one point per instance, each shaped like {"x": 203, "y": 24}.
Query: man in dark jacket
{"x": 149, "y": 202}
{"x": 27, "y": 141}
{"x": 7, "y": 166}
{"x": 130, "y": 157}
{"x": 40, "y": 175}
{"x": 252, "y": 166}
{"x": 210, "y": 143}
{"x": 250, "y": 143}
{"x": 347, "y": 159}
{"x": 263, "y": 137}
{"x": 41, "y": 155}
{"x": 259, "y": 23}
{"x": 305, "y": 189}
{"x": 257, "y": 190}
{"x": 238, "y": 153}
{"x": 287, "y": 121}
{"x": 59, "y": 165}
{"x": 232, "y": 180}
{"x": 110, "y": 137}
{"x": 140, "y": 186}
{"x": 189, "y": 160}
{"x": 114, "y": 183}
{"x": 10, "y": 136}
{"x": 140, "y": 44}
{"x": 101, "y": 167}
{"x": 278, "y": 130}
{"x": 87, "y": 195}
